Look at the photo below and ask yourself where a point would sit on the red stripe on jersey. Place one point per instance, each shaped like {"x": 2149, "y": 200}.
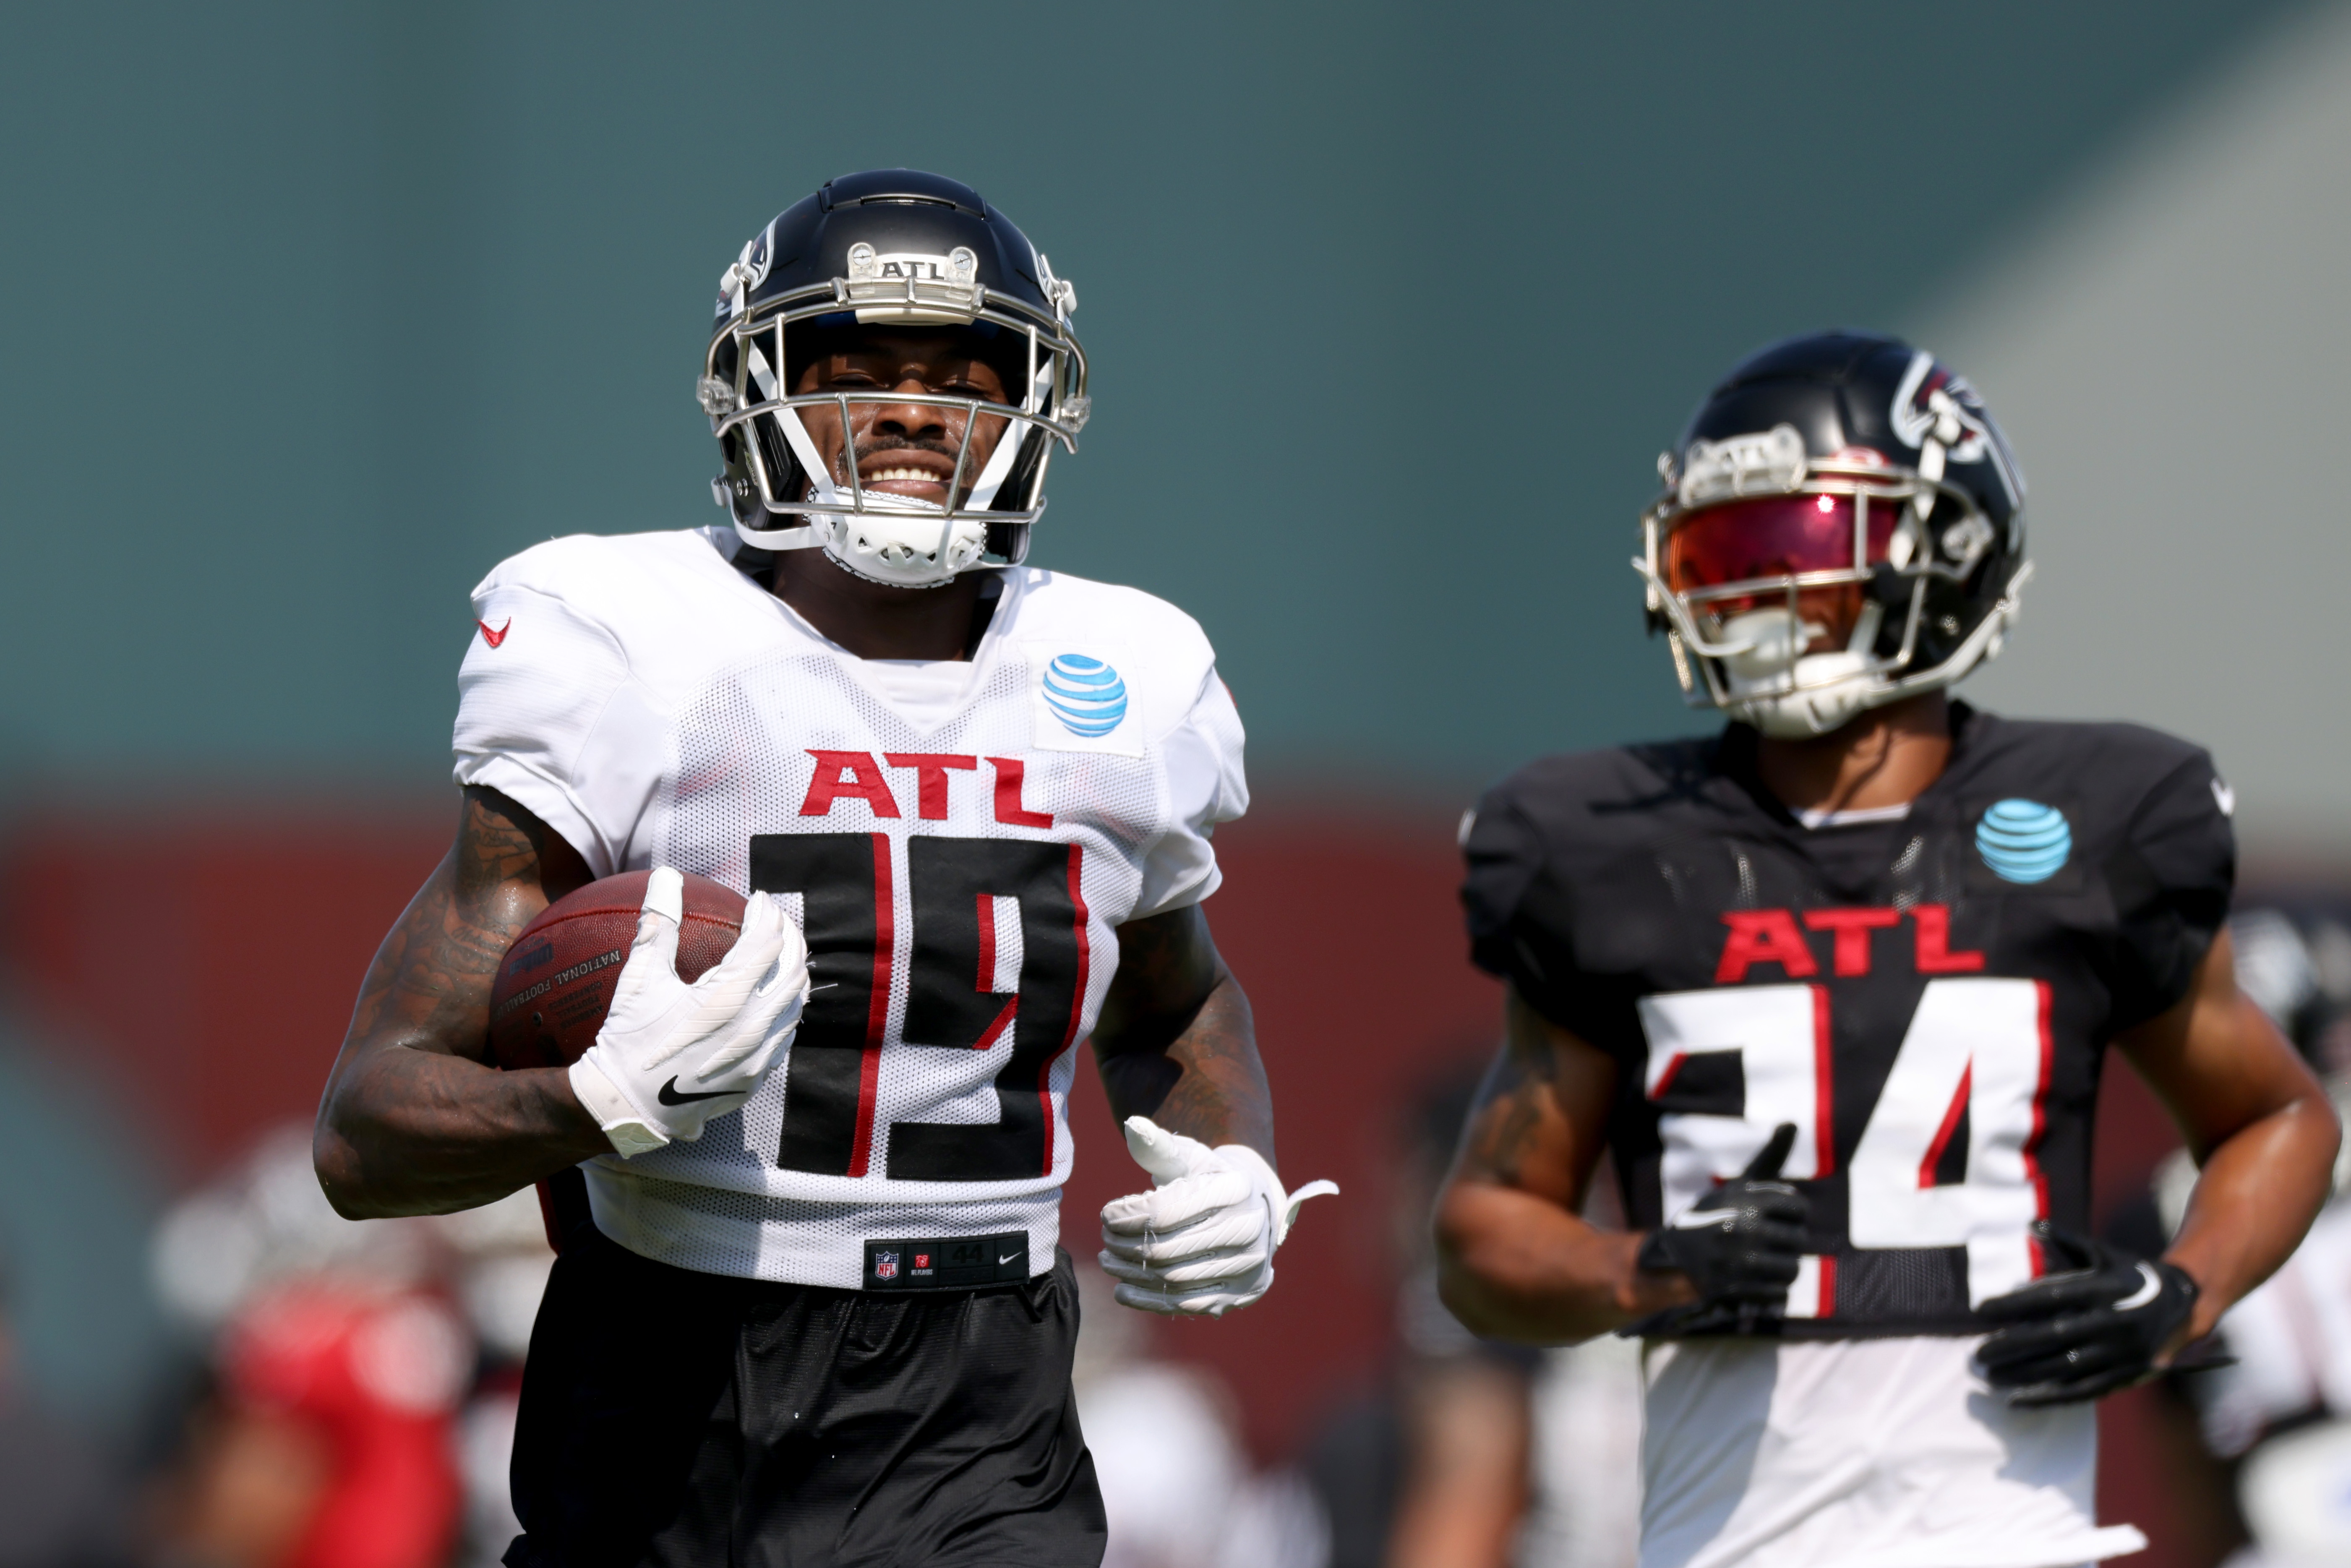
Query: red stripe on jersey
{"x": 2032, "y": 1171}
{"x": 995, "y": 1031}
{"x": 1823, "y": 1086}
{"x": 1950, "y": 1124}
{"x": 1666, "y": 1079}
{"x": 987, "y": 944}
{"x": 877, "y": 1011}
{"x": 1826, "y": 1307}
{"x": 1077, "y": 1006}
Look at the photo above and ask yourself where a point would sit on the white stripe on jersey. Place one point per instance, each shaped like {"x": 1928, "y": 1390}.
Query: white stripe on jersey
{"x": 1870, "y": 1453}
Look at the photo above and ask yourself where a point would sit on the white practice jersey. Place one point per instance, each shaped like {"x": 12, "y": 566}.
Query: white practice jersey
{"x": 958, "y": 842}
{"x": 1862, "y": 1453}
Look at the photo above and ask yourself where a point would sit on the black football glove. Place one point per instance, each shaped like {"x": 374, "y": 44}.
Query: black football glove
{"x": 1739, "y": 1244}
{"x": 2088, "y": 1332}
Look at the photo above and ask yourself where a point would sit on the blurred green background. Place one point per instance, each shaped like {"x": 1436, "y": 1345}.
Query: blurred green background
{"x": 316, "y": 312}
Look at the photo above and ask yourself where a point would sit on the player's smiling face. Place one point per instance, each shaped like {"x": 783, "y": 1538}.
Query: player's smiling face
{"x": 904, "y": 448}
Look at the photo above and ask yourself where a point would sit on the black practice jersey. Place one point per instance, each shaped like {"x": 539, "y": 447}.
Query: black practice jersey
{"x": 1926, "y": 999}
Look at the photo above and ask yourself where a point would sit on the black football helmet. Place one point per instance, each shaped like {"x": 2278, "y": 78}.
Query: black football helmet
{"x": 889, "y": 247}
{"x": 1842, "y": 525}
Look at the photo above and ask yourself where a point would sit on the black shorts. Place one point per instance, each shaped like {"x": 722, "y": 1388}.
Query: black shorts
{"x": 674, "y": 1417}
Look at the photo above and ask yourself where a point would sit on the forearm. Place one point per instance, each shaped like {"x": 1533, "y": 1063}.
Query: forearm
{"x": 1464, "y": 1489}
{"x": 418, "y": 1132}
{"x": 2260, "y": 1121}
{"x": 1206, "y": 1082}
{"x": 1515, "y": 1266}
{"x": 414, "y": 1119}
{"x": 2259, "y": 1188}
{"x": 1175, "y": 1041}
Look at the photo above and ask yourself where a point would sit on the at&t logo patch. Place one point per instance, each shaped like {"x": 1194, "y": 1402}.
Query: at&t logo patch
{"x": 1085, "y": 694}
{"x": 2024, "y": 840}
{"x": 1083, "y": 702}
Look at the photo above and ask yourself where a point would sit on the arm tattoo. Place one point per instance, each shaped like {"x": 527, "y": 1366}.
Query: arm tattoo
{"x": 1514, "y": 1103}
{"x": 1541, "y": 1120}
{"x": 1176, "y": 1041}
{"x": 413, "y": 1119}
{"x": 429, "y": 985}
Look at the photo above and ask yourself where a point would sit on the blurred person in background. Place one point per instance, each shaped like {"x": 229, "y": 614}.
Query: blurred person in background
{"x": 1429, "y": 1468}
{"x": 1177, "y": 1483}
{"x": 329, "y": 1443}
{"x": 358, "y": 1410}
{"x": 1458, "y": 1411}
{"x": 62, "y": 1502}
{"x": 1474, "y": 1453}
{"x": 1585, "y": 1471}
{"x": 1835, "y": 986}
{"x": 1163, "y": 1438}
{"x": 2278, "y": 1421}
{"x": 500, "y": 1262}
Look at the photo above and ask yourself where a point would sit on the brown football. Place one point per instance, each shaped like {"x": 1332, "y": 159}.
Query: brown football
{"x": 558, "y": 979}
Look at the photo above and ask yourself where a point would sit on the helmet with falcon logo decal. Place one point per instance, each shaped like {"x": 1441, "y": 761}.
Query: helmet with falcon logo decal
{"x": 1842, "y": 525}
{"x": 899, "y": 265}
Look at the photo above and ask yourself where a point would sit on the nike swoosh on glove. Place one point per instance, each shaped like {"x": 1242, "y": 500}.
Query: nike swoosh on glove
{"x": 672, "y": 1056}
{"x": 1201, "y": 1241}
{"x": 1739, "y": 1245}
{"x": 2090, "y": 1330}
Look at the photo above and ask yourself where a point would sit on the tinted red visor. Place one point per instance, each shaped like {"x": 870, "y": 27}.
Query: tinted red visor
{"x": 1769, "y": 537}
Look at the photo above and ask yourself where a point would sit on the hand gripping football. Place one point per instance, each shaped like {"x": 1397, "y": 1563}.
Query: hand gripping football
{"x": 557, "y": 983}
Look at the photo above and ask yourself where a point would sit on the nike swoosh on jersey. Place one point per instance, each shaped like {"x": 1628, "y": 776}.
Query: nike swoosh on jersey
{"x": 669, "y": 1096}
{"x": 498, "y": 636}
{"x": 1007, "y": 1258}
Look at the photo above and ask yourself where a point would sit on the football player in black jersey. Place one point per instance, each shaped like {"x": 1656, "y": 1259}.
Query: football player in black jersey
{"x": 1835, "y": 986}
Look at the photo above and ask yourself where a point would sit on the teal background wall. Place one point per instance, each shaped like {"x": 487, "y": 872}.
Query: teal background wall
{"x": 316, "y": 312}
{"x": 74, "y": 1213}
{"x": 310, "y": 313}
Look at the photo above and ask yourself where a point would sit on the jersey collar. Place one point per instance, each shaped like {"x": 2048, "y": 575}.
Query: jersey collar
{"x": 1734, "y": 760}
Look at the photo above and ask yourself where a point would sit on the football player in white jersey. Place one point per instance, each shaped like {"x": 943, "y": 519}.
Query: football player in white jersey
{"x": 810, "y": 1306}
{"x": 1834, "y": 987}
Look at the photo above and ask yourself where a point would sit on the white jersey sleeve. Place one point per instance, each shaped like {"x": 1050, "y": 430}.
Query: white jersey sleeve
{"x": 551, "y": 713}
{"x": 1205, "y": 786}
{"x": 959, "y": 853}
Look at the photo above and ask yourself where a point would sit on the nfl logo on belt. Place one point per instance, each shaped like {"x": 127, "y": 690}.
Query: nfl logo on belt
{"x": 885, "y": 1265}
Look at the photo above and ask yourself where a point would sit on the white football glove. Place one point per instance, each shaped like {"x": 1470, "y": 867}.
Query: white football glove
{"x": 1201, "y": 1241}
{"x": 672, "y": 1056}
